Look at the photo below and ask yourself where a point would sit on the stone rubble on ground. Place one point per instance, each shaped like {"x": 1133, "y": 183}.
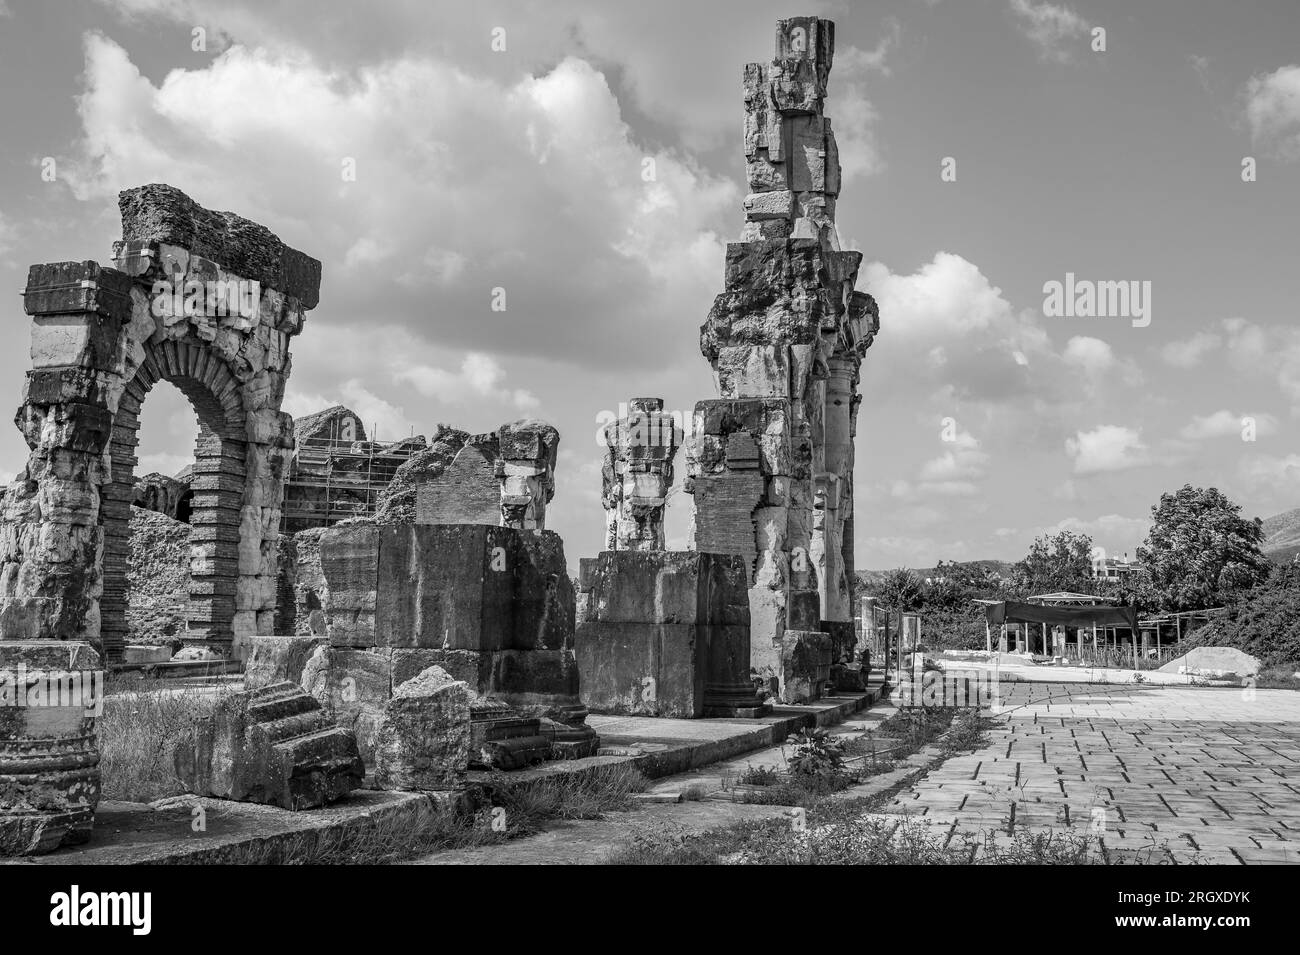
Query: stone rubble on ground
{"x": 273, "y": 745}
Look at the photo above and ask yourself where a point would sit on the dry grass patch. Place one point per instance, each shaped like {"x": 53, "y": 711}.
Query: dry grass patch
{"x": 142, "y": 722}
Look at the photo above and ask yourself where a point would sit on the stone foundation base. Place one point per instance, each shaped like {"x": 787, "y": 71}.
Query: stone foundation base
{"x": 49, "y": 758}
{"x": 665, "y": 634}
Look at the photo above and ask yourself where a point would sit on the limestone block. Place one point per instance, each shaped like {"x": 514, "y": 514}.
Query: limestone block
{"x": 764, "y": 174}
{"x": 809, "y": 41}
{"x": 666, "y": 634}
{"x": 165, "y": 215}
{"x": 807, "y": 154}
{"x": 268, "y": 426}
{"x": 832, "y": 164}
{"x": 468, "y": 491}
{"x": 274, "y": 745}
{"x": 85, "y": 289}
{"x": 766, "y": 229}
{"x": 806, "y": 658}
{"x": 278, "y": 660}
{"x": 423, "y": 739}
{"x": 724, "y": 508}
{"x": 349, "y": 557}
{"x": 769, "y": 205}
{"x": 353, "y": 686}
{"x": 470, "y": 587}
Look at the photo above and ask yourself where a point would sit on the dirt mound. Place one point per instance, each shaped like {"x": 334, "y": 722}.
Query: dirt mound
{"x": 157, "y": 577}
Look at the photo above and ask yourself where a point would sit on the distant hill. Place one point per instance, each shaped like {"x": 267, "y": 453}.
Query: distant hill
{"x": 1004, "y": 567}
{"x": 1282, "y": 536}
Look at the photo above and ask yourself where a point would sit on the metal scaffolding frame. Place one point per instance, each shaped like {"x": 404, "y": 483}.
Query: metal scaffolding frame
{"x": 336, "y": 479}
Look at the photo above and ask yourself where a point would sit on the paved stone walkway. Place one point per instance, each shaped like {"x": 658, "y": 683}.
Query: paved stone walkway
{"x": 1170, "y": 773}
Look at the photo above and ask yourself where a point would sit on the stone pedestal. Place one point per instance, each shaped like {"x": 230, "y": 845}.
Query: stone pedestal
{"x": 666, "y": 633}
{"x": 50, "y": 696}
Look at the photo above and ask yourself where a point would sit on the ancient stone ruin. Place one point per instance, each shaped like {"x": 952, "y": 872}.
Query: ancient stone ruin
{"x": 50, "y": 692}
{"x": 413, "y": 618}
{"x": 770, "y": 463}
{"x": 660, "y": 633}
{"x": 637, "y": 473}
{"x": 474, "y": 588}
{"x": 208, "y": 301}
{"x": 272, "y": 745}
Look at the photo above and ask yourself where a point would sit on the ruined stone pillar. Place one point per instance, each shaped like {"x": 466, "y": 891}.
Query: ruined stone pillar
{"x": 768, "y": 464}
{"x": 637, "y": 473}
{"x": 208, "y": 301}
{"x": 526, "y": 470}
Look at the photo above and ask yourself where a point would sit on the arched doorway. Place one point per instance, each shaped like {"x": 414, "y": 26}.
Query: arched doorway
{"x": 210, "y": 302}
{"x": 215, "y": 495}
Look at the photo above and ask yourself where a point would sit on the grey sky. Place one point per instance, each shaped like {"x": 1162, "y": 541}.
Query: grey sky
{"x": 522, "y": 170}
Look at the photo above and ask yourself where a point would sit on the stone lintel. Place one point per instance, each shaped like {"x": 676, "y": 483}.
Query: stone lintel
{"x": 163, "y": 214}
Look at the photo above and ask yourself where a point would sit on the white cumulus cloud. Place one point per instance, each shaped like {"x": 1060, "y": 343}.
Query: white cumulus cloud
{"x": 1107, "y": 447}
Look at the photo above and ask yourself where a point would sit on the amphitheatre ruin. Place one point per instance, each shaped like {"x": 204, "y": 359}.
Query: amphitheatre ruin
{"x": 399, "y": 611}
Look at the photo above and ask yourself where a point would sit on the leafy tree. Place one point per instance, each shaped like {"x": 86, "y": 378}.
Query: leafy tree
{"x": 1263, "y": 621}
{"x": 901, "y": 590}
{"x": 1060, "y": 562}
{"x": 1201, "y": 550}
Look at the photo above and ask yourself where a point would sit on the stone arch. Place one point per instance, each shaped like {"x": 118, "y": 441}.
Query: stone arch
{"x": 208, "y": 301}
{"x": 213, "y": 512}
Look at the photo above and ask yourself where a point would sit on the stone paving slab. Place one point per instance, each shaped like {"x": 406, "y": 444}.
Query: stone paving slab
{"x": 1186, "y": 774}
{"x": 129, "y": 833}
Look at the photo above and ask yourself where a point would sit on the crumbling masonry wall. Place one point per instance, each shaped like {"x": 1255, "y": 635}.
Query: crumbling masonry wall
{"x": 770, "y": 463}
{"x": 208, "y": 301}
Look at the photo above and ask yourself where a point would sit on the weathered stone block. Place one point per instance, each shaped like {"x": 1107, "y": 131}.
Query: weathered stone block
{"x": 163, "y": 214}
{"x": 423, "y": 740}
{"x": 353, "y": 686}
{"x": 769, "y": 205}
{"x": 50, "y": 696}
{"x": 78, "y": 288}
{"x": 468, "y": 491}
{"x": 278, "y": 659}
{"x": 806, "y": 658}
{"x": 665, "y": 634}
{"x": 349, "y": 557}
{"x": 275, "y": 745}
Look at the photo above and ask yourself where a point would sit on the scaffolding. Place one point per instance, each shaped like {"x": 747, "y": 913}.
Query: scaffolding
{"x": 332, "y": 479}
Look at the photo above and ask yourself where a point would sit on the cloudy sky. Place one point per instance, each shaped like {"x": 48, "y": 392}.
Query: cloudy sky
{"x": 522, "y": 169}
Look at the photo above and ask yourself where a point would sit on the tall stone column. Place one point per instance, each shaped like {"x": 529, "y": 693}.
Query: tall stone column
{"x": 758, "y": 462}
{"x": 51, "y": 539}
